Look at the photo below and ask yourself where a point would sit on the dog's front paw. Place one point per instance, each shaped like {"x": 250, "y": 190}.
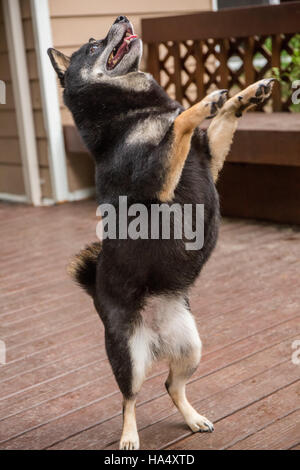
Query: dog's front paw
{"x": 254, "y": 95}
{"x": 199, "y": 423}
{"x": 214, "y": 102}
{"x": 130, "y": 441}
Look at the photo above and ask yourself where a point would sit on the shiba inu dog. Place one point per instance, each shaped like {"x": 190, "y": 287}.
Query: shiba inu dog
{"x": 149, "y": 148}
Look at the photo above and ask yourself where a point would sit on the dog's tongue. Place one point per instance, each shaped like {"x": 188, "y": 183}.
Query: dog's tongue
{"x": 123, "y": 49}
{"x": 125, "y": 45}
{"x": 133, "y": 36}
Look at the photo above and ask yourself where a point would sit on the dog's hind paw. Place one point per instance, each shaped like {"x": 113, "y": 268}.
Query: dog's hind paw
{"x": 214, "y": 102}
{"x": 130, "y": 442}
{"x": 198, "y": 423}
{"x": 253, "y": 95}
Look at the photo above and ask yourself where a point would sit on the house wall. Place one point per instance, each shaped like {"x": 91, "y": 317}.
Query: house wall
{"x": 11, "y": 174}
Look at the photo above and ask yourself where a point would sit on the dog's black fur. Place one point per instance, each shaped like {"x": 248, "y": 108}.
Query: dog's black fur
{"x": 126, "y": 272}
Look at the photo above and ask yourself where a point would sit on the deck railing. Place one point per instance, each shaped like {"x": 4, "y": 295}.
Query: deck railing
{"x": 190, "y": 55}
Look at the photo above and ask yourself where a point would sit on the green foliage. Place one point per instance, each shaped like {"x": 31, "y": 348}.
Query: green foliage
{"x": 289, "y": 71}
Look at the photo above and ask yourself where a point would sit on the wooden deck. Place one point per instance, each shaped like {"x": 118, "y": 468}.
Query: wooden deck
{"x": 57, "y": 389}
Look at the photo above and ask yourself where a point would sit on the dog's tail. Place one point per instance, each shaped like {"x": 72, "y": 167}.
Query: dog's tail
{"x": 82, "y": 267}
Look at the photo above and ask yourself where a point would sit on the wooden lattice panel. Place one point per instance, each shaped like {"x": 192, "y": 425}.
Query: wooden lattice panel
{"x": 188, "y": 68}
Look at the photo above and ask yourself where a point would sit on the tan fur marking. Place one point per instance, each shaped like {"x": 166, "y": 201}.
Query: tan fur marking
{"x": 130, "y": 438}
{"x": 176, "y": 159}
{"x": 222, "y": 128}
{"x": 220, "y": 134}
{"x": 184, "y": 126}
{"x": 90, "y": 253}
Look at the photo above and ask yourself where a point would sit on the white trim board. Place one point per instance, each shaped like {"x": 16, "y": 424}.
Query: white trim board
{"x": 51, "y": 111}
{"x": 6, "y": 197}
{"x": 78, "y": 195}
{"x": 215, "y": 6}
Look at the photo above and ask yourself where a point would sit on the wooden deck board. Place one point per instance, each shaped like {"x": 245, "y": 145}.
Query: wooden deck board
{"x": 297, "y": 447}
{"x": 57, "y": 389}
{"x": 248, "y": 421}
{"x": 280, "y": 435}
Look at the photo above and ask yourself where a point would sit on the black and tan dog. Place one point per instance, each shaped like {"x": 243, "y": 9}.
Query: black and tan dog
{"x": 147, "y": 147}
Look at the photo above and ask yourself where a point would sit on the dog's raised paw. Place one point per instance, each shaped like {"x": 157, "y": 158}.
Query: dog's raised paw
{"x": 253, "y": 95}
{"x": 214, "y": 102}
{"x": 199, "y": 423}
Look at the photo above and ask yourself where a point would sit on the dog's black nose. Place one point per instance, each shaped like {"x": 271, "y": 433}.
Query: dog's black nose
{"x": 122, "y": 19}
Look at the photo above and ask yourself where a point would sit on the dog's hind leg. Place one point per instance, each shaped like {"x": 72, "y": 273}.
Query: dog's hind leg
{"x": 223, "y": 126}
{"x": 181, "y": 370}
{"x": 129, "y": 346}
{"x": 181, "y": 344}
{"x": 184, "y": 126}
{"x": 143, "y": 342}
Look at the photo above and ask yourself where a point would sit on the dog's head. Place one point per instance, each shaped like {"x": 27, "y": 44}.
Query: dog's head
{"x": 116, "y": 55}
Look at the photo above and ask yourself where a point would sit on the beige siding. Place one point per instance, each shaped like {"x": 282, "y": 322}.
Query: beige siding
{"x": 11, "y": 179}
{"x": 11, "y": 174}
{"x": 95, "y": 7}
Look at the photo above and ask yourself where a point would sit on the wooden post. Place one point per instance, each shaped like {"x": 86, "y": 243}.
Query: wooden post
{"x": 224, "y": 48}
{"x": 276, "y": 49}
{"x": 200, "y": 70}
{"x": 177, "y": 71}
{"x": 153, "y": 61}
{"x": 248, "y": 61}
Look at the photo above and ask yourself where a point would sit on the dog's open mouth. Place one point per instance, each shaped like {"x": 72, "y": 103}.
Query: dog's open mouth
{"x": 121, "y": 49}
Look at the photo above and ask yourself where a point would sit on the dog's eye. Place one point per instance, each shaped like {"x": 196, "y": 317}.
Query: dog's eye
{"x": 94, "y": 48}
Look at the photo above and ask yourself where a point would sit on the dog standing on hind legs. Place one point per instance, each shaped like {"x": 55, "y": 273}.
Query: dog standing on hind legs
{"x": 147, "y": 147}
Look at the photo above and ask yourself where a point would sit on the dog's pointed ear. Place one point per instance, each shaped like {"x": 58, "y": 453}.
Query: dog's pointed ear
{"x": 60, "y": 63}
